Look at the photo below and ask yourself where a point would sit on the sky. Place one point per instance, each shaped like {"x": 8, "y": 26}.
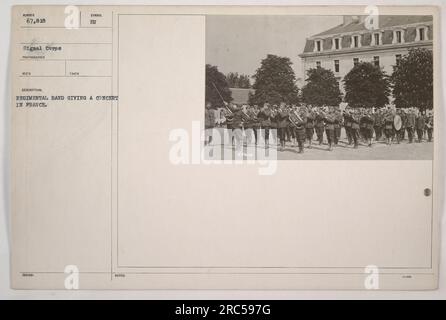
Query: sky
{"x": 239, "y": 43}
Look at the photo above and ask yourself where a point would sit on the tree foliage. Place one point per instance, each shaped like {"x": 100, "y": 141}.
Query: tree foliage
{"x": 274, "y": 82}
{"x": 216, "y": 83}
{"x": 366, "y": 85}
{"x": 412, "y": 80}
{"x": 321, "y": 88}
{"x": 236, "y": 80}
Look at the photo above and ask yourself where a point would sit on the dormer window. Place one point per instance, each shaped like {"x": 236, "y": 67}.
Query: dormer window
{"x": 398, "y": 36}
{"x": 421, "y": 33}
{"x": 318, "y": 46}
{"x": 336, "y": 44}
{"x": 356, "y": 43}
{"x": 376, "y": 39}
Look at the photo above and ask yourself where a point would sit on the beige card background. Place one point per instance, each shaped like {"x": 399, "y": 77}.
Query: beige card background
{"x": 92, "y": 184}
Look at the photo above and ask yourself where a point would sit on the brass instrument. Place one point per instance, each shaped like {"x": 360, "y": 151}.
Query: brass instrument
{"x": 245, "y": 116}
{"x": 295, "y": 119}
{"x": 227, "y": 108}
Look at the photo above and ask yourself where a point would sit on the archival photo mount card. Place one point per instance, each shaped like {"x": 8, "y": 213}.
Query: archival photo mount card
{"x": 225, "y": 147}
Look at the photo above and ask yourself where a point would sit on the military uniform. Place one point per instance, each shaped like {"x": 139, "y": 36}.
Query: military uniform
{"x": 300, "y": 130}
{"x": 420, "y": 124}
{"x": 252, "y": 123}
{"x": 337, "y": 127}
{"x": 363, "y": 126}
{"x": 264, "y": 117}
{"x": 368, "y": 131}
{"x": 237, "y": 126}
{"x": 282, "y": 124}
{"x": 320, "y": 126}
{"x": 378, "y": 125}
{"x": 355, "y": 118}
{"x": 309, "y": 127}
{"x": 388, "y": 127}
{"x": 410, "y": 126}
{"x": 209, "y": 124}
{"x": 274, "y": 122}
{"x": 429, "y": 127}
{"x": 330, "y": 119}
{"x": 403, "y": 116}
{"x": 348, "y": 127}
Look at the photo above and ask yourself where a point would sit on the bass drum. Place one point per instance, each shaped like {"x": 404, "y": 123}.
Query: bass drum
{"x": 397, "y": 122}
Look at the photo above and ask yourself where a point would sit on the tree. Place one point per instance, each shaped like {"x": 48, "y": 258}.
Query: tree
{"x": 321, "y": 88}
{"x": 236, "y": 80}
{"x": 412, "y": 80}
{"x": 274, "y": 82}
{"x": 216, "y": 83}
{"x": 366, "y": 85}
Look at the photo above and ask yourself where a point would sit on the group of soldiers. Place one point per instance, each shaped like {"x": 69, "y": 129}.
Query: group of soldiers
{"x": 298, "y": 124}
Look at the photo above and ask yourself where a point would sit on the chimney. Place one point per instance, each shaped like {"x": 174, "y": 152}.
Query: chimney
{"x": 347, "y": 20}
{"x": 351, "y": 19}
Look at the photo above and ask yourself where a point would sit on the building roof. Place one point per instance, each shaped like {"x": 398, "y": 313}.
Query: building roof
{"x": 240, "y": 96}
{"x": 383, "y": 21}
{"x": 386, "y": 23}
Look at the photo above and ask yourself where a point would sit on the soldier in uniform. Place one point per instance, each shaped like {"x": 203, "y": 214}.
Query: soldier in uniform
{"x": 320, "y": 126}
{"x": 282, "y": 124}
{"x": 274, "y": 121}
{"x": 337, "y": 125}
{"x": 378, "y": 124}
{"x": 290, "y": 130}
{"x": 356, "y": 119}
{"x": 309, "y": 127}
{"x": 253, "y": 122}
{"x": 429, "y": 127}
{"x": 363, "y": 125}
{"x": 237, "y": 127}
{"x": 209, "y": 122}
{"x": 348, "y": 125}
{"x": 301, "y": 130}
{"x": 396, "y": 131}
{"x": 410, "y": 124}
{"x": 403, "y": 116}
{"x": 419, "y": 125}
{"x": 388, "y": 126}
{"x": 369, "y": 122}
{"x": 264, "y": 117}
{"x": 330, "y": 119}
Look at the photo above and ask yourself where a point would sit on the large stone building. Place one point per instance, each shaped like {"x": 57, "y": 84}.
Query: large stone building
{"x": 339, "y": 48}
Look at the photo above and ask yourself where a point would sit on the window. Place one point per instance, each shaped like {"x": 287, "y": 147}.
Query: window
{"x": 355, "y": 41}
{"x": 421, "y": 34}
{"x": 318, "y": 45}
{"x": 398, "y": 37}
{"x": 376, "y": 39}
{"x": 336, "y": 65}
{"x": 336, "y": 43}
{"x": 376, "y": 61}
{"x": 398, "y": 58}
{"x": 318, "y": 64}
{"x": 355, "y": 61}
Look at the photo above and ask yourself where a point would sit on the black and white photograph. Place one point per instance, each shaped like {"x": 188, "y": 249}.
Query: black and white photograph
{"x": 321, "y": 87}
{"x": 154, "y": 152}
